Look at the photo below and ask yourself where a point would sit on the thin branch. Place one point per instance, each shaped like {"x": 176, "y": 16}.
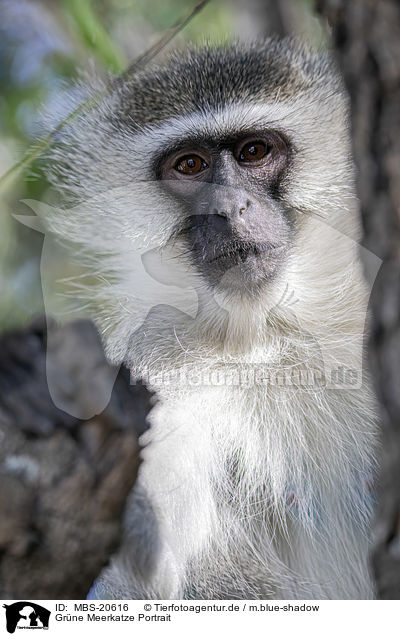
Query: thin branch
{"x": 140, "y": 62}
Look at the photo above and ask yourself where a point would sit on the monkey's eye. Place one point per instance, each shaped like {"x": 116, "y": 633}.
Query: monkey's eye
{"x": 191, "y": 164}
{"x": 253, "y": 151}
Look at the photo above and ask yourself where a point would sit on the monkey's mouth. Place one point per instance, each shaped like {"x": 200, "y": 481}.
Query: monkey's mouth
{"x": 235, "y": 254}
{"x": 240, "y": 266}
{"x": 229, "y": 260}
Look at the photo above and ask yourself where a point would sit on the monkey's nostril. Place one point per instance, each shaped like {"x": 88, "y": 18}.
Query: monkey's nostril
{"x": 244, "y": 208}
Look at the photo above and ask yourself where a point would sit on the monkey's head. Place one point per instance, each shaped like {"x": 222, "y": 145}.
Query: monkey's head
{"x": 235, "y": 160}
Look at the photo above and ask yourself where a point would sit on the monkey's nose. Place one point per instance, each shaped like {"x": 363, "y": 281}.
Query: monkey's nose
{"x": 232, "y": 206}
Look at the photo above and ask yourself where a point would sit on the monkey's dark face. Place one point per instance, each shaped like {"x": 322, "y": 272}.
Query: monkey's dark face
{"x": 236, "y": 224}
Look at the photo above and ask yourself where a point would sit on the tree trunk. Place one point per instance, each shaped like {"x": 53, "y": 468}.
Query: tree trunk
{"x": 63, "y": 481}
{"x": 366, "y": 36}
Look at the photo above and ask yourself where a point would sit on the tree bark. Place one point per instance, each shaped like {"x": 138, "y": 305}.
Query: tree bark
{"x": 366, "y": 36}
{"x": 262, "y": 18}
{"x": 63, "y": 481}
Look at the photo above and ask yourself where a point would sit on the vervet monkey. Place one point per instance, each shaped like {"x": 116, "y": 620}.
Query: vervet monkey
{"x": 235, "y": 162}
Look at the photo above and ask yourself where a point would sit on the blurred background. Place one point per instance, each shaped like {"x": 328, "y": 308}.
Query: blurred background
{"x": 44, "y": 44}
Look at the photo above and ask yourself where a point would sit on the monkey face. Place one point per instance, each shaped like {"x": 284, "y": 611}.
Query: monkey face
{"x": 230, "y": 168}
{"x": 235, "y": 223}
